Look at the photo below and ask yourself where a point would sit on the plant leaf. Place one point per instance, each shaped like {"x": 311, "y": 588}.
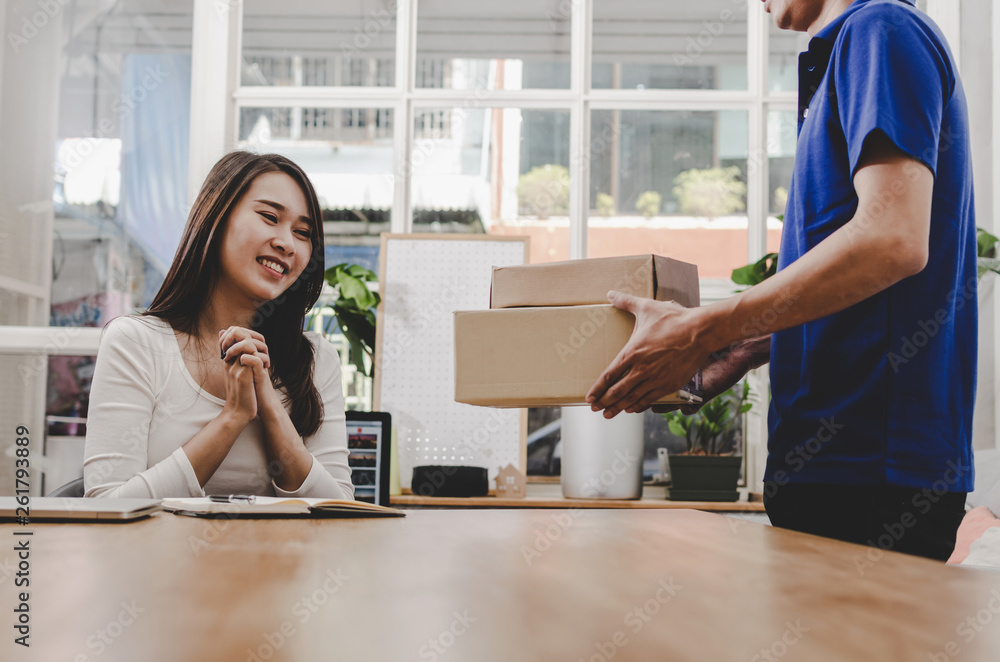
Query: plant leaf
{"x": 985, "y": 265}
{"x": 354, "y": 288}
{"x": 758, "y": 272}
{"x": 353, "y": 309}
{"x": 361, "y": 273}
{"x": 676, "y": 428}
{"x": 985, "y": 243}
{"x": 743, "y": 275}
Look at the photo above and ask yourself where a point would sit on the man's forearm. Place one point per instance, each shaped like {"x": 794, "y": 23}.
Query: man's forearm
{"x": 746, "y": 354}
{"x": 883, "y": 243}
{"x": 758, "y": 351}
{"x": 834, "y": 275}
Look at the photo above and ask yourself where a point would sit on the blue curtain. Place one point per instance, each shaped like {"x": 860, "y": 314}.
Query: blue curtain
{"x": 155, "y": 116}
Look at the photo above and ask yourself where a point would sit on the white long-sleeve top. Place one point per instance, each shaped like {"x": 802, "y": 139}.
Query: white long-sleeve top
{"x": 145, "y": 405}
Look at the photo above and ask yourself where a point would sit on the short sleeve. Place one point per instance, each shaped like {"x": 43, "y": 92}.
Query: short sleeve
{"x": 330, "y": 475}
{"x": 892, "y": 73}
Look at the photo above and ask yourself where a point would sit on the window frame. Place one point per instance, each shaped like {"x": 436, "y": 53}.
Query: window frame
{"x": 217, "y": 99}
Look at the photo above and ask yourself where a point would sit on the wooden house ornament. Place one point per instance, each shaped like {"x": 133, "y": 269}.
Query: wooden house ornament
{"x": 510, "y": 483}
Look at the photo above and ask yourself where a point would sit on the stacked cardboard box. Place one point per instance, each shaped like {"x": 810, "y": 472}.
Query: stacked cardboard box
{"x": 550, "y": 333}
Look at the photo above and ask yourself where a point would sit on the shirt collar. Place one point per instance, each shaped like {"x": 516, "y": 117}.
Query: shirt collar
{"x": 831, "y": 30}
{"x": 814, "y": 62}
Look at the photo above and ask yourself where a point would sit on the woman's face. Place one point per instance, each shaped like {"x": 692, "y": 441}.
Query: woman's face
{"x": 267, "y": 242}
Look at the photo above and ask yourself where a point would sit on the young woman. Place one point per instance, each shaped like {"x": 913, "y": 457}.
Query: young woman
{"x": 216, "y": 389}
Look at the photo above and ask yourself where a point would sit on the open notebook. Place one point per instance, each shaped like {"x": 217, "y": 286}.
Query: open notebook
{"x": 263, "y": 506}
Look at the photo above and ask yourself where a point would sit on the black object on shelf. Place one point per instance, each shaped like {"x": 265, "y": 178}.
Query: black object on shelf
{"x": 434, "y": 480}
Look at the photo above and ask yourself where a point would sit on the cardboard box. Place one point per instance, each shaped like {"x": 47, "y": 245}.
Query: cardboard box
{"x": 537, "y": 357}
{"x": 586, "y": 282}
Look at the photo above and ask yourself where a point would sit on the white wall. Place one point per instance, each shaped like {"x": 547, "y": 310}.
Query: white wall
{"x": 977, "y": 71}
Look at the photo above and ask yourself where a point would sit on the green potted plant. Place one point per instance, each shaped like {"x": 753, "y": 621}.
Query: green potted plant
{"x": 709, "y": 469}
{"x": 353, "y": 307}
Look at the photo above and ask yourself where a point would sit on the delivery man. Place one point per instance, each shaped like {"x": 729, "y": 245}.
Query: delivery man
{"x": 870, "y": 324}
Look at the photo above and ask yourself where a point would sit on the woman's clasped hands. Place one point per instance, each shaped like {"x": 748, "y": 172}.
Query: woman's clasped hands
{"x": 247, "y": 371}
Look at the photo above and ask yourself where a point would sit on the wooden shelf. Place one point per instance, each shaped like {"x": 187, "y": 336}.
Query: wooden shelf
{"x": 549, "y": 495}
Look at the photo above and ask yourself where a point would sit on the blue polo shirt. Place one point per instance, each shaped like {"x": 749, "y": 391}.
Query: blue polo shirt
{"x": 882, "y": 392}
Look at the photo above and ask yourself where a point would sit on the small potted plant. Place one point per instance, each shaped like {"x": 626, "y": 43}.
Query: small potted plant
{"x": 709, "y": 469}
{"x": 353, "y": 305}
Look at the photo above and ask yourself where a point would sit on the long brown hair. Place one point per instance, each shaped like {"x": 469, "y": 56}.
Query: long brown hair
{"x": 184, "y": 293}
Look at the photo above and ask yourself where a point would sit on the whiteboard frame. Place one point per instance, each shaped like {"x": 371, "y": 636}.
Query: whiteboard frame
{"x": 384, "y": 239}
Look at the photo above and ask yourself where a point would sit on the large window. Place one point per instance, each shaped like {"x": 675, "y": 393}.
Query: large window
{"x": 480, "y": 118}
{"x": 496, "y": 171}
{"x": 316, "y": 44}
{"x": 597, "y": 127}
{"x": 671, "y": 183}
{"x": 511, "y": 45}
{"x": 95, "y": 110}
{"x": 641, "y": 45}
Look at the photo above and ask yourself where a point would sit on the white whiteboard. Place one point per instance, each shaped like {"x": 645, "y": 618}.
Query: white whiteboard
{"x": 425, "y": 278}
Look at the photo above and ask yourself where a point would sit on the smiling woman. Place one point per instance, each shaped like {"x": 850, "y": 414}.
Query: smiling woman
{"x": 169, "y": 419}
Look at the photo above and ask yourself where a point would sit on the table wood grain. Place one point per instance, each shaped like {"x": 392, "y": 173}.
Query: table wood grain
{"x": 474, "y": 585}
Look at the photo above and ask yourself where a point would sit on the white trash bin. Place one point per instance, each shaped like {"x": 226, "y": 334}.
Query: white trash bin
{"x": 601, "y": 458}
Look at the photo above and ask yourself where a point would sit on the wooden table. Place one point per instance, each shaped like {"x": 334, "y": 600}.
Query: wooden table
{"x": 465, "y": 585}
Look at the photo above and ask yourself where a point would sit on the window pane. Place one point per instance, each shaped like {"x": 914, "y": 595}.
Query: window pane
{"x": 493, "y": 170}
{"x": 347, "y": 153}
{"x": 16, "y": 308}
{"x": 511, "y": 45}
{"x": 784, "y": 47}
{"x": 121, "y": 155}
{"x": 544, "y": 441}
{"x": 670, "y": 183}
{"x": 670, "y": 45}
{"x": 66, "y": 403}
{"x": 781, "y": 135}
{"x": 328, "y": 43}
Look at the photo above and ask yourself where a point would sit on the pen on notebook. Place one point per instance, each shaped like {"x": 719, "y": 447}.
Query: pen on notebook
{"x": 231, "y": 498}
